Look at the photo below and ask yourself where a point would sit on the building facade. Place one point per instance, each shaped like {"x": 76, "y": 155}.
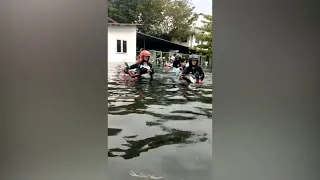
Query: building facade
{"x": 122, "y": 40}
{"x": 192, "y": 41}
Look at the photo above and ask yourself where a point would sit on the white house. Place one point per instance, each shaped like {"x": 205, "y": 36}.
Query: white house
{"x": 122, "y": 40}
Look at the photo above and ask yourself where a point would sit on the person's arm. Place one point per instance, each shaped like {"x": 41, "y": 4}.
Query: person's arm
{"x": 151, "y": 69}
{"x": 201, "y": 74}
{"x": 143, "y": 70}
{"x": 134, "y": 66}
{"x": 175, "y": 63}
{"x": 186, "y": 71}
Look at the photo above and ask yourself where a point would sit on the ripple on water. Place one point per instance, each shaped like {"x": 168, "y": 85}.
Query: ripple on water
{"x": 149, "y": 123}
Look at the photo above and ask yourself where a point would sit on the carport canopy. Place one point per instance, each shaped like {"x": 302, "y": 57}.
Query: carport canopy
{"x": 154, "y": 43}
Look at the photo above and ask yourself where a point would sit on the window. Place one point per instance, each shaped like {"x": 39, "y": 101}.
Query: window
{"x": 197, "y": 41}
{"x": 124, "y": 46}
{"x": 121, "y": 46}
{"x": 184, "y": 40}
{"x": 118, "y": 45}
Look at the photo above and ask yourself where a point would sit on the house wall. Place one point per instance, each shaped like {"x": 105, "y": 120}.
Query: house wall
{"x": 127, "y": 33}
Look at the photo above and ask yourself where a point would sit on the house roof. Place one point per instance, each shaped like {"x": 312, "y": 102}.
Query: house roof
{"x": 113, "y": 22}
{"x": 123, "y": 24}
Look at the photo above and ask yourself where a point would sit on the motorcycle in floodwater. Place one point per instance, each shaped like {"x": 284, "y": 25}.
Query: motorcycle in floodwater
{"x": 144, "y": 80}
{"x": 134, "y": 73}
{"x": 191, "y": 81}
{"x": 186, "y": 79}
{"x": 141, "y": 82}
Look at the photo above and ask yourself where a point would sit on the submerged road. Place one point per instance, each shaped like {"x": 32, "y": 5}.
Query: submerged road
{"x": 159, "y": 128}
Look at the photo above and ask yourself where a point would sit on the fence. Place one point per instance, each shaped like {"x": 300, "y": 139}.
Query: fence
{"x": 167, "y": 55}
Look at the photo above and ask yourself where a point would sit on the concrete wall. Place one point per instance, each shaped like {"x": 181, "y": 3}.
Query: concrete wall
{"x": 127, "y": 33}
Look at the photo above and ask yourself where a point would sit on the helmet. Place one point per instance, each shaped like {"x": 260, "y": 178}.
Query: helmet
{"x": 144, "y": 53}
{"x": 193, "y": 57}
{"x": 177, "y": 58}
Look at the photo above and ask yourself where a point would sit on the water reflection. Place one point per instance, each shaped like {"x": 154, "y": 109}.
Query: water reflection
{"x": 135, "y": 147}
{"x": 157, "y": 114}
{"x": 113, "y": 131}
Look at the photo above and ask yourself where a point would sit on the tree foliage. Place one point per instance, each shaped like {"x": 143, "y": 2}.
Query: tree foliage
{"x": 168, "y": 19}
{"x": 205, "y": 35}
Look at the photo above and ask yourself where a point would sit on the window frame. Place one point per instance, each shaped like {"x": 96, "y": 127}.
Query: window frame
{"x": 124, "y": 46}
{"x": 121, "y": 47}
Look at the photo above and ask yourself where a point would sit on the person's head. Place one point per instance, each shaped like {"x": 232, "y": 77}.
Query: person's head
{"x": 183, "y": 62}
{"x": 145, "y": 56}
{"x": 177, "y": 58}
{"x": 193, "y": 60}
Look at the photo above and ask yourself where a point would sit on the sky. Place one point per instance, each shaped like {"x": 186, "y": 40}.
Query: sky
{"x": 203, "y": 6}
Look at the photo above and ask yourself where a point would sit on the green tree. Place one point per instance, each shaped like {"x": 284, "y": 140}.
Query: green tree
{"x": 168, "y": 19}
{"x": 179, "y": 17}
{"x": 123, "y": 11}
{"x": 205, "y": 35}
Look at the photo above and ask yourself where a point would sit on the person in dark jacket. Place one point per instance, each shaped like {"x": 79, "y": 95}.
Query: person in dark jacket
{"x": 176, "y": 62}
{"x": 143, "y": 67}
{"x": 194, "y": 69}
{"x": 158, "y": 60}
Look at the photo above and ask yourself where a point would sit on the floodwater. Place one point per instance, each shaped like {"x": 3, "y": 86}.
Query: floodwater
{"x": 158, "y": 128}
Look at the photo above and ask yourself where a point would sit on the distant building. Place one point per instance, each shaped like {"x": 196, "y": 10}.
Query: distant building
{"x": 192, "y": 41}
{"x": 122, "y": 40}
